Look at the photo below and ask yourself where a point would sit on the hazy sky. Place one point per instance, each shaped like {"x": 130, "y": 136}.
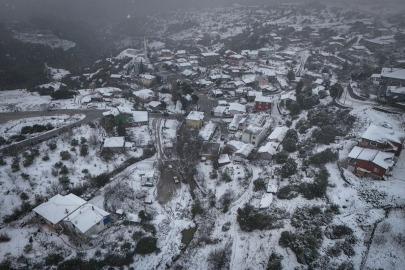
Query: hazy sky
{"x": 117, "y": 10}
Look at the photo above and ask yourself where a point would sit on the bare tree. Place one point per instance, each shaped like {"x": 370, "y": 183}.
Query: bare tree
{"x": 219, "y": 259}
{"x": 53, "y": 189}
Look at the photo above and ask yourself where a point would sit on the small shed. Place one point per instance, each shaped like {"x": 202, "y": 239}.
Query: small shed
{"x": 223, "y": 160}
{"x": 272, "y": 188}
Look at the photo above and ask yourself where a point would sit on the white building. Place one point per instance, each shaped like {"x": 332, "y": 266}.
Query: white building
{"x": 278, "y": 134}
{"x": 253, "y": 135}
{"x": 236, "y": 108}
{"x": 87, "y": 220}
{"x": 269, "y": 150}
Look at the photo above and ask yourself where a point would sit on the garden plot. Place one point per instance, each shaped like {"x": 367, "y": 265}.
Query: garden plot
{"x": 168, "y": 134}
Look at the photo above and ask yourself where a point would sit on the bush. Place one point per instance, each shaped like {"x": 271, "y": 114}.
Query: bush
{"x": 146, "y": 245}
{"x": 149, "y": 228}
{"x": 250, "y": 219}
{"x": 289, "y": 168}
{"x": 15, "y": 165}
{"x": 25, "y": 176}
{"x": 259, "y": 184}
{"x": 74, "y": 142}
{"x": 24, "y": 196}
{"x": 290, "y": 145}
{"x": 2, "y": 161}
{"x": 52, "y": 146}
{"x": 318, "y": 188}
{"x": 197, "y": 209}
{"x": 338, "y": 231}
{"x": 281, "y": 157}
{"x": 65, "y": 155}
{"x": 137, "y": 235}
{"x": 4, "y": 238}
{"x": 226, "y": 177}
{"x": 53, "y": 259}
{"x": 321, "y": 158}
{"x": 101, "y": 180}
{"x": 45, "y": 158}
{"x": 274, "y": 262}
{"x": 83, "y": 140}
{"x": 64, "y": 181}
{"x": 84, "y": 150}
{"x": 64, "y": 170}
{"x": 126, "y": 247}
{"x": 287, "y": 192}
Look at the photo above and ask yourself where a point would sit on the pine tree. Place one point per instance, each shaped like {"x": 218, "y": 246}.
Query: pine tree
{"x": 121, "y": 129}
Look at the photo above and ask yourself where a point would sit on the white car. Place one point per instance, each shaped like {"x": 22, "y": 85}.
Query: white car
{"x": 176, "y": 180}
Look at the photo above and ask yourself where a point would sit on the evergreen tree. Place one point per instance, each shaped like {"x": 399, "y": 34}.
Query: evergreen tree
{"x": 121, "y": 129}
{"x": 300, "y": 86}
{"x": 291, "y": 75}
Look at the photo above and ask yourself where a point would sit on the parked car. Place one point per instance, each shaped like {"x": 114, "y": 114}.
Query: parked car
{"x": 176, "y": 180}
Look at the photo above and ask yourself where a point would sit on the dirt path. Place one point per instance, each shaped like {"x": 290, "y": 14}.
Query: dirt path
{"x": 166, "y": 188}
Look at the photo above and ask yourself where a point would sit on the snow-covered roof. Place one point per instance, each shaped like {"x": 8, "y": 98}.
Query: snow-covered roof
{"x": 154, "y": 103}
{"x": 209, "y": 54}
{"x": 147, "y": 76}
{"x": 235, "y": 144}
{"x": 254, "y": 130}
{"x": 271, "y": 188}
{"x": 396, "y": 89}
{"x": 245, "y": 150}
{"x": 382, "y": 159}
{"x": 144, "y": 93}
{"x": 140, "y": 116}
{"x": 254, "y": 93}
{"x": 234, "y": 125}
{"x": 270, "y": 147}
{"x": 237, "y": 107}
{"x": 58, "y": 207}
{"x": 207, "y": 131}
{"x": 114, "y": 142}
{"x": 222, "y": 103}
{"x": 381, "y": 134}
{"x": 278, "y": 134}
{"x": 290, "y": 95}
{"x": 318, "y": 81}
{"x": 220, "y": 109}
{"x": 224, "y": 158}
{"x": 399, "y": 74}
{"x": 195, "y": 116}
{"x": 263, "y": 99}
{"x": 249, "y": 80}
{"x": 86, "y": 216}
{"x": 266, "y": 200}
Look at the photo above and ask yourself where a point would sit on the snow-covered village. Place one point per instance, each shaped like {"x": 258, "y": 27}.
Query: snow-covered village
{"x": 230, "y": 137}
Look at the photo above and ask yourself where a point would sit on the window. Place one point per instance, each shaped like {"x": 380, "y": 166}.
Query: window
{"x": 376, "y": 170}
{"x": 373, "y": 143}
{"x": 352, "y": 161}
{"x": 254, "y": 137}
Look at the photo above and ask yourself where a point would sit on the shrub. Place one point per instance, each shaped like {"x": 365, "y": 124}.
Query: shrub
{"x": 83, "y": 140}
{"x": 289, "y": 168}
{"x": 325, "y": 135}
{"x": 197, "y": 209}
{"x": 137, "y": 235}
{"x": 338, "y": 231}
{"x": 318, "y": 188}
{"x": 52, "y": 146}
{"x": 287, "y": 192}
{"x": 65, "y": 155}
{"x": 146, "y": 245}
{"x": 84, "y": 150}
{"x": 290, "y": 145}
{"x": 291, "y": 134}
{"x": 64, "y": 170}
{"x": 64, "y": 181}
{"x": 281, "y": 157}
{"x": 25, "y": 176}
{"x": 28, "y": 248}
{"x": 321, "y": 158}
{"x": 4, "y": 238}
{"x": 259, "y": 184}
{"x": 53, "y": 259}
{"x": 58, "y": 164}
{"x": 15, "y": 165}
{"x": 2, "y": 161}
{"x": 126, "y": 247}
{"x": 45, "y": 158}
{"x": 226, "y": 177}
{"x": 149, "y": 228}
{"x": 101, "y": 180}
{"x": 250, "y": 219}
{"x": 274, "y": 262}
{"x": 24, "y": 196}
{"x": 74, "y": 142}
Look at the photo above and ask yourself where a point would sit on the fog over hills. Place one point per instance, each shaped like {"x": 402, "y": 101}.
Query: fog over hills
{"x": 118, "y": 10}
